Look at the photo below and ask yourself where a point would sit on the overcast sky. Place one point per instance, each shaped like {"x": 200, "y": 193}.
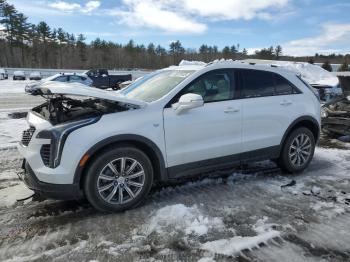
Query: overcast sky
{"x": 302, "y": 27}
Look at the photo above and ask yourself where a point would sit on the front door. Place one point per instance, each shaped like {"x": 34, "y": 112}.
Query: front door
{"x": 206, "y": 135}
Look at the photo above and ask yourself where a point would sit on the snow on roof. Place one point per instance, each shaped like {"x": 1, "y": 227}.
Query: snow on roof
{"x": 313, "y": 74}
{"x": 187, "y": 62}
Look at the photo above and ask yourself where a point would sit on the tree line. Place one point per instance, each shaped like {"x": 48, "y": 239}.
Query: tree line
{"x": 39, "y": 46}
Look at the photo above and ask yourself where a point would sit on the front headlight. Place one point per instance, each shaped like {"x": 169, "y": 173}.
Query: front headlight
{"x": 323, "y": 112}
{"x": 58, "y": 135}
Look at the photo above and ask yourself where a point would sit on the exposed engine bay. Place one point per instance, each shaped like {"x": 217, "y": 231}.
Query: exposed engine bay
{"x": 60, "y": 109}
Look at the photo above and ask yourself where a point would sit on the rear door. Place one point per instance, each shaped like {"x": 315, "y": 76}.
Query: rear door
{"x": 204, "y": 136}
{"x": 268, "y": 109}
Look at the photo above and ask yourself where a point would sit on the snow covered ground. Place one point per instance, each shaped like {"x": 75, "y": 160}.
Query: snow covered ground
{"x": 9, "y": 86}
{"x": 247, "y": 216}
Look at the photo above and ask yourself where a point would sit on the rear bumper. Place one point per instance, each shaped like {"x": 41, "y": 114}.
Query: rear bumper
{"x": 48, "y": 190}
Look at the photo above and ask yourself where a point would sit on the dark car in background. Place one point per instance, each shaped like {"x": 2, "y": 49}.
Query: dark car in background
{"x": 103, "y": 80}
{"x": 64, "y": 77}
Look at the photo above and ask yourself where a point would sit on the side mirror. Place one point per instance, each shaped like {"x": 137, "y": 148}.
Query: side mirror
{"x": 187, "y": 102}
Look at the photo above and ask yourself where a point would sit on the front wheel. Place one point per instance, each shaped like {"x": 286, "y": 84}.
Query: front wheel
{"x": 297, "y": 151}
{"x": 119, "y": 179}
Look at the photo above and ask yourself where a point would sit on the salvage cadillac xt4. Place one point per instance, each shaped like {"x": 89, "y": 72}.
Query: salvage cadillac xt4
{"x": 180, "y": 121}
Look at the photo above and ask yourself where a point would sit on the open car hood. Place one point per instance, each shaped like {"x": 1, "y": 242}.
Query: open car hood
{"x": 77, "y": 89}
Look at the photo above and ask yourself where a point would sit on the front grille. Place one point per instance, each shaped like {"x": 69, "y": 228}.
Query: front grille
{"x": 45, "y": 153}
{"x": 27, "y": 135}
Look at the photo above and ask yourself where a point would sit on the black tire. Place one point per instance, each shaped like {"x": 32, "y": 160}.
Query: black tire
{"x": 116, "y": 87}
{"x": 285, "y": 161}
{"x": 94, "y": 170}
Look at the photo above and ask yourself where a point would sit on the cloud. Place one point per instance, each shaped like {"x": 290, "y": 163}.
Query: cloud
{"x": 91, "y": 5}
{"x": 75, "y": 7}
{"x": 149, "y": 14}
{"x": 233, "y": 10}
{"x": 181, "y": 16}
{"x": 65, "y": 6}
{"x": 335, "y": 35}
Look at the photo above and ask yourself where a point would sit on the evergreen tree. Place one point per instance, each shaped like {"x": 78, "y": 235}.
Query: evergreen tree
{"x": 278, "y": 51}
{"x": 226, "y": 52}
{"x": 176, "y": 50}
{"x": 81, "y": 46}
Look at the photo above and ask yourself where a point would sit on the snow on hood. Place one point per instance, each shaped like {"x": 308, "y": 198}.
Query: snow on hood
{"x": 77, "y": 89}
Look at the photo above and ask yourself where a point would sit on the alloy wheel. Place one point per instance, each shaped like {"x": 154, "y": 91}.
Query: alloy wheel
{"x": 121, "y": 180}
{"x": 300, "y": 150}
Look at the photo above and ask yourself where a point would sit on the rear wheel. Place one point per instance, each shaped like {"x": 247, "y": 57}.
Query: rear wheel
{"x": 297, "y": 151}
{"x": 119, "y": 179}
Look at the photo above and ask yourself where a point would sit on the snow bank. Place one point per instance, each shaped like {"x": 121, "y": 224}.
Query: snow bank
{"x": 181, "y": 218}
{"x": 312, "y": 74}
{"x": 13, "y": 87}
{"x": 234, "y": 245}
{"x": 9, "y": 195}
{"x": 11, "y": 131}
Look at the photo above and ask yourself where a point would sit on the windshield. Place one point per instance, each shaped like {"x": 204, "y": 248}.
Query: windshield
{"x": 155, "y": 85}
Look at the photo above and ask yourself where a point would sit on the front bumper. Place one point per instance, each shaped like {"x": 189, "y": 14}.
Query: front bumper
{"x": 48, "y": 190}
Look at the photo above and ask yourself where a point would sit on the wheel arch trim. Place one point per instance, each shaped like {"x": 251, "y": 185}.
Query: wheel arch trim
{"x": 298, "y": 121}
{"x": 126, "y": 138}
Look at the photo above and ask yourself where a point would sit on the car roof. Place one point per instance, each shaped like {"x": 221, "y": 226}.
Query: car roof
{"x": 218, "y": 64}
{"x": 70, "y": 74}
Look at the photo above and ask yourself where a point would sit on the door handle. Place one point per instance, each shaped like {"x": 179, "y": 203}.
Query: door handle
{"x": 231, "y": 110}
{"x": 285, "y": 103}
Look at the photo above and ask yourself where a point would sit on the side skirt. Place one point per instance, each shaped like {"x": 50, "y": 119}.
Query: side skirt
{"x": 203, "y": 166}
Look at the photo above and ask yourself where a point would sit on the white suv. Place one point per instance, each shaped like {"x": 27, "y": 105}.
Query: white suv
{"x": 183, "y": 120}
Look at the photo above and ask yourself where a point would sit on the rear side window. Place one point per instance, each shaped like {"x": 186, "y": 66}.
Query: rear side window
{"x": 257, "y": 83}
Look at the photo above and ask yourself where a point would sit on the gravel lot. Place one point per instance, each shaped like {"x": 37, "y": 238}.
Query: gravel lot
{"x": 245, "y": 215}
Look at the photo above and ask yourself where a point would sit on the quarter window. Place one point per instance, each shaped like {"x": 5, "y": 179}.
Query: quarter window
{"x": 283, "y": 87}
{"x": 213, "y": 87}
{"x": 75, "y": 78}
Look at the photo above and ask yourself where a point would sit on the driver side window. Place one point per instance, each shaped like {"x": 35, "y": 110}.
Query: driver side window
{"x": 213, "y": 87}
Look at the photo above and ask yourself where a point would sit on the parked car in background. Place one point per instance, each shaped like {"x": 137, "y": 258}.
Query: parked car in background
{"x": 182, "y": 121}
{"x": 103, "y": 80}
{"x": 19, "y": 75}
{"x": 35, "y": 76}
{"x": 3, "y": 74}
{"x": 63, "y": 78}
